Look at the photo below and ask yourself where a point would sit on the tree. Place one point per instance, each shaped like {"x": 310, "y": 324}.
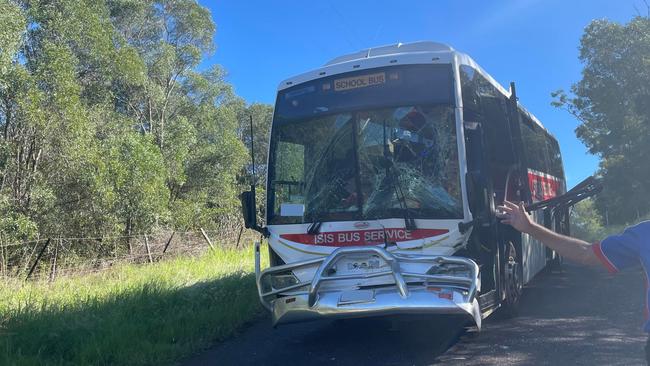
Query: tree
{"x": 612, "y": 102}
{"x": 137, "y": 171}
{"x": 586, "y": 223}
{"x": 208, "y": 195}
{"x": 13, "y": 27}
{"x": 108, "y": 128}
{"x": 171, "y": 36}
{"x": 262, "y": 115}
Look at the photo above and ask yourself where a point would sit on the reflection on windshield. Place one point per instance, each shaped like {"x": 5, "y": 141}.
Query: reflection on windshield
{"x": 366, "y": 165}
{"x": 330, "y": 184}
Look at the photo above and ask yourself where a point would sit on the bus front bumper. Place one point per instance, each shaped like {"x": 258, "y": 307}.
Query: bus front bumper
{"x": 437, "y": 291}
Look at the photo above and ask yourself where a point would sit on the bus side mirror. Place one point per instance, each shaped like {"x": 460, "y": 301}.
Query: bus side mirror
{"x": 248, "y": 209}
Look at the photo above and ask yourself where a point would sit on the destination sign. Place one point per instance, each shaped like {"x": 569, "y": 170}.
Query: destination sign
{"x": 360, "y": 81}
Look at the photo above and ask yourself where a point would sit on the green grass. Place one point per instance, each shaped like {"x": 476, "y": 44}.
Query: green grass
{"x": 129, "y": 315}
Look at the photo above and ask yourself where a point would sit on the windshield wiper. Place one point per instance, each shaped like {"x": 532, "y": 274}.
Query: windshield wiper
{"x": 314, "y": 228}
{"x": 316, "y": 216}
{"x": 393, "y": 179}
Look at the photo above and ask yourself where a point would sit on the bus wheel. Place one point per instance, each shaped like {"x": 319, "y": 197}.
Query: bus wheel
{"x": 556, "y": 262}
{"x": 513, "y": 282}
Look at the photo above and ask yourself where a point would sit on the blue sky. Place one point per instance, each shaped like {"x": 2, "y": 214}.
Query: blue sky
{"x": 532, "y": 42}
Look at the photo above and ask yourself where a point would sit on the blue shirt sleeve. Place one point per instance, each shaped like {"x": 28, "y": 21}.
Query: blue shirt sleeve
{"x": 622, "y": 251}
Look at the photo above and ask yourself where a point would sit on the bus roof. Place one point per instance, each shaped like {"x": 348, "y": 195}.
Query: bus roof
{"x": 393, "y": 49}
{"x": 424, "y": 51}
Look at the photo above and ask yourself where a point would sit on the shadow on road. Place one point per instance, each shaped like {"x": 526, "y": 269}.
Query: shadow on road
{"x": 577, "y": 316}
{"x": 403, "y": 340}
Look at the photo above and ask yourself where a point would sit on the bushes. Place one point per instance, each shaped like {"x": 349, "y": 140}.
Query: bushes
{"x": 135, "y": 315}
{"x": 588, "y": 225}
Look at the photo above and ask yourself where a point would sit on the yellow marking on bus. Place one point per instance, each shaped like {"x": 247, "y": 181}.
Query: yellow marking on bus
{"x": 432, "y": 243}
{"x": 301, "y": 250}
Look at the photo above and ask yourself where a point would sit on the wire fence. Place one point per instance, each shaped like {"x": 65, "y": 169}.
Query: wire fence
{"x": 55, "y": 257}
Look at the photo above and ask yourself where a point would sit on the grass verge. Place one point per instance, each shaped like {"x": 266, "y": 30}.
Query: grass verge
{"x": 129, "y": 315}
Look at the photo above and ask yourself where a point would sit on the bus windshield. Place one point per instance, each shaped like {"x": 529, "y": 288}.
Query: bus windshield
{"x": 364, "y": 164}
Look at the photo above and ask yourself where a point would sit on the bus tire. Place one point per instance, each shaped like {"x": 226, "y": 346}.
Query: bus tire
{"x": 556, "y": 262}
{"x": 513, "y": 281}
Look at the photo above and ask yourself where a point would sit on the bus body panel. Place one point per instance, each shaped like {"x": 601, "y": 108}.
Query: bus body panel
{"x": 534, "y": 254}
{"x": 342, "y": 238}
{"x": 445, "y": 244}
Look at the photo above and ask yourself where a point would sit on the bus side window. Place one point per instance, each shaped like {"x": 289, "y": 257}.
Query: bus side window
{"x": 534, "y": 144}
{"x": 469, "y": 89}
{"x": 543, "y": 175}
{"x": 556, "y": 162}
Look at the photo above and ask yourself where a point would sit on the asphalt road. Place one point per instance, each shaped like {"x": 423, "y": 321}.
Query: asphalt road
{"x": 576, "y": 316}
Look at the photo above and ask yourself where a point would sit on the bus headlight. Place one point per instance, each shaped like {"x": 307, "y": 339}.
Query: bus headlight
{"x": 278, "y": 281}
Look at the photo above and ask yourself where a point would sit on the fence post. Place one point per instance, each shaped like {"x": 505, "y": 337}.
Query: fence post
{"x": 2, "y": 257}
{"x": 38, "y": 258}
{"x": 53, "y": 266}
{"x": 241, "y": 230}
{"x": 207, "y": 239}
{"x": 168, "y": 242}
{"x": 146, "y": 244}
{"x": 29, "y": 258}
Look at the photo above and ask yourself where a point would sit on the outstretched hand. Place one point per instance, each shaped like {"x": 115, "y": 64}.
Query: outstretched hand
{"x": 515, "y": 216}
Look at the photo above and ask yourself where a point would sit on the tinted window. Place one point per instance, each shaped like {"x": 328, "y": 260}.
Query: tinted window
{"x": 555, "y": 167}
{"x": 534, "y": 139}
{"x": 365, "y": 89}
{"x": 482, "y": 102}
{"x": 469, "y": 81}
{"x": 545, "y": 175}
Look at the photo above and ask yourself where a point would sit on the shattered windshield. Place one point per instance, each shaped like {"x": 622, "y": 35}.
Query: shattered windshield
{"x": 409, "y": 152}
{"x": 369, "y": 164}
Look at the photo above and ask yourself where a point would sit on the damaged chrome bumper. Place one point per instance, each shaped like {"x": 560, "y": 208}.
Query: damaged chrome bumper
{"x": 410, "y": 293}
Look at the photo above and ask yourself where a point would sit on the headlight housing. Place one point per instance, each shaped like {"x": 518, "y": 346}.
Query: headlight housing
{"x": 450, "y": 269}
{"x": 278, "y": 281}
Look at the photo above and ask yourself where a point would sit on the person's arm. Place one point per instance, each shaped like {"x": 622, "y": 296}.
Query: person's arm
{"x": 571, "y": 248}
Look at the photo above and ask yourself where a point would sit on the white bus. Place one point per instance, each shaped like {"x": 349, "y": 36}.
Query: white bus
{"x": 385, "y": 167}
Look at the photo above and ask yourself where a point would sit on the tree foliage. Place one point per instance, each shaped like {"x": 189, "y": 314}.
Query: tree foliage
{"x": 612, "y": 101}
{"x": 586, "y": 223}
{"x": 13, "y": 27}
{"x": 107, "y": 124}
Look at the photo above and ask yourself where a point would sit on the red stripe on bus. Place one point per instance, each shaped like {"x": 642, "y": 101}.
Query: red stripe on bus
{"x": 542, "y": 186}
{"x": 362, "y": 237}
